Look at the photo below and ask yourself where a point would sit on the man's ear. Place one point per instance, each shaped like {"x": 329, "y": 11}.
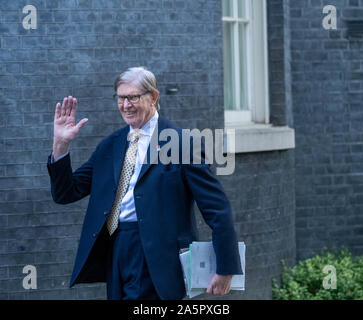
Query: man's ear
{"x": 155, "y": 95}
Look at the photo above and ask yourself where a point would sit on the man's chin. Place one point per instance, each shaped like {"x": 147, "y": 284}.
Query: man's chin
{"x": 129, "y": 120}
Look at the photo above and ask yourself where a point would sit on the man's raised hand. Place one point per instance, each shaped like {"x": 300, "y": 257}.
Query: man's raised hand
{"x": 65, "y": 127}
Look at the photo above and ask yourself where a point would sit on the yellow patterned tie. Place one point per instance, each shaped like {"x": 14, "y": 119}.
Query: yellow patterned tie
{"x": 123, "y": 185}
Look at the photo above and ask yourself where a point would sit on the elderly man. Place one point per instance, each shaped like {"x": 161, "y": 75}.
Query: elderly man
{"x": 140, "y": 213}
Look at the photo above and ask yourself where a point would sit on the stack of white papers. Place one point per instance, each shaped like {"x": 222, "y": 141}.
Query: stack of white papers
{"x": 199, "y": 266}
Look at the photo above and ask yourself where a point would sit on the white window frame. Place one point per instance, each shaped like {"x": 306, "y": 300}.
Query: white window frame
{"x": 257, "y": 65}
{"x": 251, "y": 129}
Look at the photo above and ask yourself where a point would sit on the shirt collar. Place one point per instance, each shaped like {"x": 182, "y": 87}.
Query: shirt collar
{"x": 148, "y": 128}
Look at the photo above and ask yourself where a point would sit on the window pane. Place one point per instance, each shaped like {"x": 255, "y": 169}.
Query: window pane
{"x": 243, "y": 66}
{"x": 227, "y": 8}
{"x": 229, "y": 69}
{"x": 241, "y": 8}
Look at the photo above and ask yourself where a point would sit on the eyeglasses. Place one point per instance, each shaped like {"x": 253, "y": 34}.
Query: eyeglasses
{"x": 131, "y": 98}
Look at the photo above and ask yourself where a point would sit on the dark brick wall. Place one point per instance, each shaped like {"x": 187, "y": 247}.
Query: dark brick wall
{"x": 279, "y": 42}
{"x": 327, "y": 98}
{"x": 78, "y": 49}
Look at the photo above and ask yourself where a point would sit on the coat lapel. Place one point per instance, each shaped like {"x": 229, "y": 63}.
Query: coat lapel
{"x": 152, "y": 154}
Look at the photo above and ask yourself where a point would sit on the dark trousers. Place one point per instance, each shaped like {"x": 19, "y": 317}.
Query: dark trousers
{"x": 128, "y": 277}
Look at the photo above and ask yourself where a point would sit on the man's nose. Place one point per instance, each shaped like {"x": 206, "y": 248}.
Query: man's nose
{"x": 127, "y": 103}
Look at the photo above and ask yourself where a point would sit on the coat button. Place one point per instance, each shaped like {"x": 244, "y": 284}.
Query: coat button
{"x": 95, "y": 235}
{"x": 105, "y": 213}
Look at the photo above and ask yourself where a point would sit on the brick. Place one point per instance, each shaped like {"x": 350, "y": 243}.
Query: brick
{"x": 15, "y": 170}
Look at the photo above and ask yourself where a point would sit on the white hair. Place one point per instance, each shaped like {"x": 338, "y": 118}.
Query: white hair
{"x": 142, "y": 78}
